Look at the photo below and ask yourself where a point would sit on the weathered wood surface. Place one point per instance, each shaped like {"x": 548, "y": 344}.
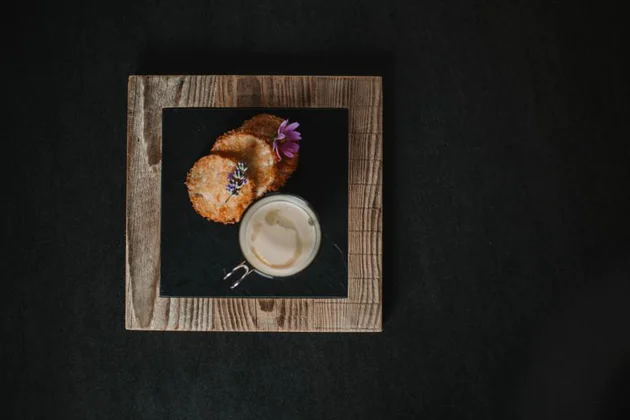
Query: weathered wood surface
{"x": 361, "y": 311}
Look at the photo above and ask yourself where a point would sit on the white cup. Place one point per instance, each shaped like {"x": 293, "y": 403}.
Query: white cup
{"x": 279, "y": 236}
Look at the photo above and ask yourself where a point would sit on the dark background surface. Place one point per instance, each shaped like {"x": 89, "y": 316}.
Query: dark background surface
{"x": 507, "y": 194}
{"x": 196, "y": 254}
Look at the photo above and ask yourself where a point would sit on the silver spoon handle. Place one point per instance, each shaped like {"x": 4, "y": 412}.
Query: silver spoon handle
{"x": 243, "y": 265}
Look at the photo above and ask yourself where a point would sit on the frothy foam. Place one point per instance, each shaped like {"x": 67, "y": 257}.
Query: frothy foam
{"x": 280, "y": 235}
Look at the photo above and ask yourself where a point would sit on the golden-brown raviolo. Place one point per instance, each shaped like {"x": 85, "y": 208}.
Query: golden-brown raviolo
{"x": 207, "y": 188}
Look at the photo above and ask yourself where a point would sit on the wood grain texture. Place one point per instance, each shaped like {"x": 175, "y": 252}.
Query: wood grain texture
{"x": 365, "y": 171}
{"x": 337, "y": 316}
{"x": 361, "y": 311}
{"x": 365, "y": 220}
{"x": 365, "y": 196}
{"x": 366, "y": 146}
{"x": 364, "y": 266}
{"x": 365, "y": 290}
{"x": 365, "y": 243}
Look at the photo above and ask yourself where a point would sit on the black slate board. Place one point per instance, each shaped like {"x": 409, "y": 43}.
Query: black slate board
{"x": 196, "y": 253}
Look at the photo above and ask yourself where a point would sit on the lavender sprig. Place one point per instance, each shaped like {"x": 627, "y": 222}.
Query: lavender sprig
{"x": 236, "y": 180}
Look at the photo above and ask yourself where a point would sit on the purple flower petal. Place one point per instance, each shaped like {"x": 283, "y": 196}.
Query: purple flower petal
{"x": 293, "y": 136}
{"x": 290, "y": 149}
{"x": 292, "y": 145}
{"x": 292, "y": 126}
{"x": 281, "y": 136}
{"x": 276, "y": 149}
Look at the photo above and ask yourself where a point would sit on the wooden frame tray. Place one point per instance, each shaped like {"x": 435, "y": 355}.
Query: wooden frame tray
{"x": 146, "y": 310}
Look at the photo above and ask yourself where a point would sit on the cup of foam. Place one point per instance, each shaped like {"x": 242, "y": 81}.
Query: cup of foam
{"x": 279, "y": 236}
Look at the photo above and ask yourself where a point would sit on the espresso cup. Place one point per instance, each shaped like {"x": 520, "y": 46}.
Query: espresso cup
{"x": 279, "y": 236}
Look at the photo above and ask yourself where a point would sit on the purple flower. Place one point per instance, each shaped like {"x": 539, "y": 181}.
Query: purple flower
{"x": 236, "y": 179}
{"x": 286, "y": 141}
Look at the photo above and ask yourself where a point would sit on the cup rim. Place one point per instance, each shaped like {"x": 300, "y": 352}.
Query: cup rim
{"x": 306, "y": 204}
